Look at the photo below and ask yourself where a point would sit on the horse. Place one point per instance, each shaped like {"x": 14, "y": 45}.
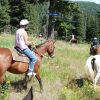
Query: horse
{"x": 8, "y": 64}
{"x": 93, "y": 65}
{"x": 73, "y": 41}
{"x": 94, "y": 50}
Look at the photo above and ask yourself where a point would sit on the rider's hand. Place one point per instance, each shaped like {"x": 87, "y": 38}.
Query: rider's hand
{"x": 30, "y": 47}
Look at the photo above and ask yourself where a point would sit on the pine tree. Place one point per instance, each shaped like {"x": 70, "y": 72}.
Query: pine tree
{"x": 17, "y": 10}
{"x": 4, "y": 15}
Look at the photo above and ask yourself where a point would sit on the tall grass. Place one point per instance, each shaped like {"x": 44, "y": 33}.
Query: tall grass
{"x": 56, "y": 73}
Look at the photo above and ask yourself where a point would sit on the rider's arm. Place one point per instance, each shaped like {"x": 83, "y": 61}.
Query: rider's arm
{"x": 26, "y": 39}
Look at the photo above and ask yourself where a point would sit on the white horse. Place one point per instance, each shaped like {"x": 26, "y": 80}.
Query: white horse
{"x": 93, "y": 64}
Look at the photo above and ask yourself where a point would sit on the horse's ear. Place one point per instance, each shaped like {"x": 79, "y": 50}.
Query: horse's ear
{"x": 54, "y": 41}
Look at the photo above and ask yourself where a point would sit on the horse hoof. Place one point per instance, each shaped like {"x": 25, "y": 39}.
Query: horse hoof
{"x": 41, "y": 89}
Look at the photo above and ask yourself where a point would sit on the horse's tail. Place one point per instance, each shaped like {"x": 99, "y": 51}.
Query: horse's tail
{"x": 93, "y": 62}
{"x": 90, "y": 66}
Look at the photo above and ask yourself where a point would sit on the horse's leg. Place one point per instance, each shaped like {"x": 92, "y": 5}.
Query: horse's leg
{"x": 70, "y": 42}
{"x": 89, "y": 67}
{"x": 91, "y": 73}
{"x": 40, "y": 81}
{"x": 27, "y": 79}
{"x": 1, "y": 78}
{"x": 96, "y": 79}
{"x": 38, "y": 76}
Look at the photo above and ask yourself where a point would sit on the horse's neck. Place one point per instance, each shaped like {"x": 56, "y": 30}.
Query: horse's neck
{"x": 42, "y": 50}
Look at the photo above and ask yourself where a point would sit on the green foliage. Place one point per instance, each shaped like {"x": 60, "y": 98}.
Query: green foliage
{"x": 90, "y": 22}
{"x": 4, "y": 91}
{"x": 17, "y": 10}
{"x": 68, "y": 22}
{"x": 4, "y": 15}
{"x": 89, "y": 7}
{"x": 79, "y": 18}
{"x": 7, "y": 41}
{"x": 37, "y": 14}
{"x": 91, "y": 28}
{"x": 68, "y": 64}
{"x": 98, "y": 23}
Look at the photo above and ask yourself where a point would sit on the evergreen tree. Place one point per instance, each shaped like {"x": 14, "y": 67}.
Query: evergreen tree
{"x": 91, "y": 28}
{"x": 36, "y": 13}
{"x": 4, "y": 15}
{"x": 69, "y": 20}
{"x": 98, "y": 24}
{"x": 17, "y": 10}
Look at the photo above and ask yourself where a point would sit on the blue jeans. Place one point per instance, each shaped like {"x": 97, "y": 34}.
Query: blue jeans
{"x": 31, "y": 55}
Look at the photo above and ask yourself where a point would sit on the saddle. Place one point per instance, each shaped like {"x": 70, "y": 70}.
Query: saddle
{"x": 18, "y": 55}
{"x": 19, "y": 50}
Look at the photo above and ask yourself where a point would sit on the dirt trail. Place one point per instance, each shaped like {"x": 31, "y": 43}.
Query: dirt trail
{"x": 15, "y": 96}
{"x": 50, "y": 92}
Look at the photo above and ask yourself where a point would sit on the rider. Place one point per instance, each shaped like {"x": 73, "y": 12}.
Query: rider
{"x": 95, "y": 42}
{"x": 21, "y": 41}
{"x": 72, "y": 37}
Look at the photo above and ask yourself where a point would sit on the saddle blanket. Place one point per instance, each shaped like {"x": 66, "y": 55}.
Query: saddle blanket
{"x": 19, "y": 57}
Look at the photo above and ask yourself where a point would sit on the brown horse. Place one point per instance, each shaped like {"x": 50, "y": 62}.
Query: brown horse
{"x": 94, "y": 50}
{"x": 73, "y": 41}
{"x": 7, "y": 63}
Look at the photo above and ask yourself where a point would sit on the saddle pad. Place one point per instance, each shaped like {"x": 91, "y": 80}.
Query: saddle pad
{"x": 18, "y": 56}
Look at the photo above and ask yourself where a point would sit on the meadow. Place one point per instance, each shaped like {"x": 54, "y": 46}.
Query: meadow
{"x": 58, "y": 74}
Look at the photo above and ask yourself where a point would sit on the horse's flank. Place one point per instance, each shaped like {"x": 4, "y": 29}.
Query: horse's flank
{"x": 6, "y": 60}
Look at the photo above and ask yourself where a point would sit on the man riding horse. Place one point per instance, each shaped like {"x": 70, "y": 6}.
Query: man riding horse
{"x": 11, "y": 62}
{"x": 94, "y": 45}
{"x": 73, "y": 39}
{"x": 23, "y": 44}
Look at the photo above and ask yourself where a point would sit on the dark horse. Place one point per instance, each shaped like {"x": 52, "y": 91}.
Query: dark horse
{"x": 94, "y": 50}
{"x": 7, "y": 63}
{"x": 73, "y": 41}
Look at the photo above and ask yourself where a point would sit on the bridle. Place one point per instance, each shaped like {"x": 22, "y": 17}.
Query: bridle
{"x": 39, "y": 53}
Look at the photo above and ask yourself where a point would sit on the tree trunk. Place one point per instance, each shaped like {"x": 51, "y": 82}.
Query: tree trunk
{"x": 51, "y": 20}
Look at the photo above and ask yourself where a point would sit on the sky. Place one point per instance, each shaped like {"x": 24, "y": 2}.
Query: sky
{"x": 95, "y": 1}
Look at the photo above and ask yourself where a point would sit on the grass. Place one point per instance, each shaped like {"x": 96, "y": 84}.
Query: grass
{"x": 56, "y": 73}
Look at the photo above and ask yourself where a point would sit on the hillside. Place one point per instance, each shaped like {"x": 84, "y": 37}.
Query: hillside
{"x": 89, "y": 7}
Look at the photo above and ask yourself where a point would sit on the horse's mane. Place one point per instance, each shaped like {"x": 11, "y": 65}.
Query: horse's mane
{"x": 37, "y": 46}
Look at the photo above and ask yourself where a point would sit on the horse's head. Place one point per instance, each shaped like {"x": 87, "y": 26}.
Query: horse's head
{"x": 47, "y": 46}
{"x": 50, "y": 48}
